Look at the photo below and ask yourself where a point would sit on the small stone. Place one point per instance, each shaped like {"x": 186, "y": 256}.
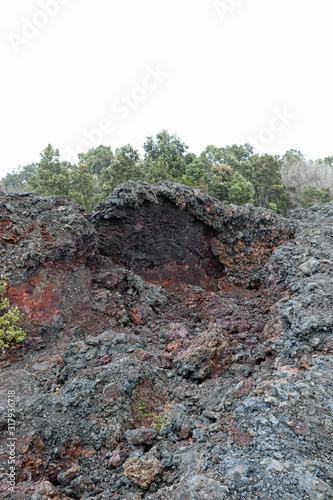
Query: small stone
{"x": 309, "y": 267}
{"x": 65, "y": 477}
{"x": 140, "y": 436}
{"x": 142, "y": 472}
{"x": 185, "y": 432}
{"x": 35, "y": 343}
{"x": 118, "y": 458}
{"x": 92, "y": 341}
{"x": 45, "y": 490}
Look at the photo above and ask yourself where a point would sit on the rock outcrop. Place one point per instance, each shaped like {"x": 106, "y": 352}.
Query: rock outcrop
{"x": 169, "y": 234}
{"x": 176, "y": 348}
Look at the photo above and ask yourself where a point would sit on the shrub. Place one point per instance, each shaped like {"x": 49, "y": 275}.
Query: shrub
{"x": 10, "y": 333}
{"x": 159, "y": 420}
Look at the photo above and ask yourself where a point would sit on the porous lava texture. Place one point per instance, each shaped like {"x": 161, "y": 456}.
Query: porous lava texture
{"x": 176, "y": 348}
{"x": 171, "y": 234}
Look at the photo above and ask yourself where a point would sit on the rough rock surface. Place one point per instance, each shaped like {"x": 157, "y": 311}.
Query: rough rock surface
{"x": 169, "y": 233}
{"x": 176, "y": 349}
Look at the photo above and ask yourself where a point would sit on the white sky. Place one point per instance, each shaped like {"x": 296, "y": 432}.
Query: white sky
{"x": 226, "y": 74}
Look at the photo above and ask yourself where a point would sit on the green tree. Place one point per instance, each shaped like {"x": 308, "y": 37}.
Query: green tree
{"x": 267, "y": 182}
{"x": 157, "y": 170}
{"x": 83, "y": 188}
{"x": 195, "y": 172}
{"x": 98, "y": 159}
{"x": 168, "y": 148}
{"x": 220, "y": 181}
{"x": 240, "y": 152}
{"x": 52, "y": 178}
{"x": 237, "y": 157}
{"x": 228, "y": 155}
{"x": 293, "y": 155}
{"x": 272, "y": 206}
{"x": 313, "y": 196}
{"x": 17, "y": 180}
{"x": 240, "y": 191}
{"x": 10, "y": 333}
{"x": 189, "y": 157}
{"x": 212, "y": 156}
{"x": 125, "y": 165}
{"x": 195, "y": 176}
{"x": 329, "y": 160}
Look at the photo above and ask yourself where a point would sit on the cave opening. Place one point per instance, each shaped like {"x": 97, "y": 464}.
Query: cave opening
{"x": 163, "y": 244}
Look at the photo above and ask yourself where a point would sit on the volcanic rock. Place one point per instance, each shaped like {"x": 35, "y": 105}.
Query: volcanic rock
{"x": 142, "y": 471}
{"x": 176, "y": 348}
{"x": 169, "y": 233}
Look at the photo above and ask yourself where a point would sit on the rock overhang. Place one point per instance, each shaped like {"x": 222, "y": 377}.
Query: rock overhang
{"x": 170, "y": 233}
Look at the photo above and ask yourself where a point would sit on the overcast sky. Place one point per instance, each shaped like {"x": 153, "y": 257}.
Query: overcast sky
{"x": 78, "y": 73}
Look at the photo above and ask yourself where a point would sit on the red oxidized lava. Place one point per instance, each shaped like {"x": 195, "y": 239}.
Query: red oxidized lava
{"x": 8, "y": 236}
{"x": 38, "y": 299}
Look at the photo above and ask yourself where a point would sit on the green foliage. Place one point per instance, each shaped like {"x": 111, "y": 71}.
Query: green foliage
{"x": 292, "y": 155}
{"x": 189, "y": 157}
{"x": 82, "y": 187}
{"x": 240, "y": 153}
{"x": 313, "y": 196}
{"x": 99, "y": 172}
{"x": 143, "y": 410}
{"x": 195, "y": 173}
{"x": 228, "y": 155}
{"x": 329, "y": 160}
{"x": 220, "y": 180}
{"x": 159, "y": 420}
{"x": 168, "y": 148}
{"x": 157, "y": 170}
{"x": 212, "y": 156}
{"x": 240, "y": 191}
{"x": 52, "y": 177}
{"x": 232, "y": 174}
{"x": 10, "y": 333}
{"x": 221, "y": 165}
{"x": 268, "y": 183}
{"x": 17, "y": 180}
{"x": 245, "y": 168}
{"x": 98, "y": 159}
{"x": 272, "y": 206}
{"x": 125, "y": 165}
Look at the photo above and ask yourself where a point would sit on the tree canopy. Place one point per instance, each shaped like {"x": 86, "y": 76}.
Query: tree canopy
{"x": 233, "y": 174}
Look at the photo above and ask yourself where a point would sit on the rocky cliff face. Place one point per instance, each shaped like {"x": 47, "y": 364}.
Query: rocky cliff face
{"x": 177, "y": 348}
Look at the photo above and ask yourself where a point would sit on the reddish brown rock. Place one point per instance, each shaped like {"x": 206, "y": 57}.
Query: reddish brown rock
{"x": 65, "y": 477}
{"x": 136, "y": 316}
{"x": 118, "y": 458}
{"x": 207, "y": 355}
{"x": 142, "y": 471}
{"x": 263, "y": 387}
{"x": 185, "y": 433}
{"x": 45, "y": 491}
